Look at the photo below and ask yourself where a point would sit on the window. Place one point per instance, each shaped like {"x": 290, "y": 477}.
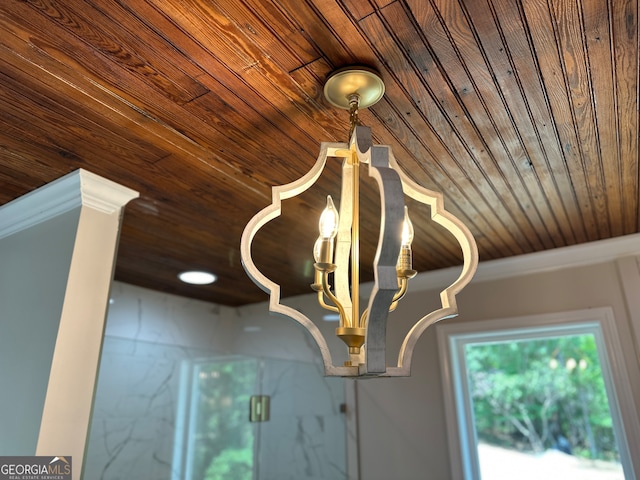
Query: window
{"x": 529, "y": 389}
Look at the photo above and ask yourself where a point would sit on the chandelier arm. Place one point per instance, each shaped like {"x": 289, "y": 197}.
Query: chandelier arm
{"x": 404, "y": 284}
{"x": 363, "y": 318}
{"x": 324, "y": 304}
{"x": 402, "y": 291}
{"x": 396, "y": 300}
{"x": 326, "y": 289}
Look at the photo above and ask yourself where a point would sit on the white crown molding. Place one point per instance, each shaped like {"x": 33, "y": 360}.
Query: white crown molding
{"x": 79, "y": 188}
{"x": 545, "y": 261}
{"x": 581, "y": 255}
{"x": 104, "y": 195}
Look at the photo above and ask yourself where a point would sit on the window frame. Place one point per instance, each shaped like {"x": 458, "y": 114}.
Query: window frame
{"x": 453, "y": 336}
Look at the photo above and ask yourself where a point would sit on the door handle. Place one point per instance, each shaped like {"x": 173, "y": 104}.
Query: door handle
{"x": 259, "y": 408}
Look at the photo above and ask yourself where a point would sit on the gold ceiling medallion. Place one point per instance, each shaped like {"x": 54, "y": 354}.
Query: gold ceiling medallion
{"x": 336, "y": 251}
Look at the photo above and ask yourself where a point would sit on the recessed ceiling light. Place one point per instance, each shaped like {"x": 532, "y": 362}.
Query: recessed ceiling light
{"x": 252, "y": 328}
{"x": 197, "y": 277}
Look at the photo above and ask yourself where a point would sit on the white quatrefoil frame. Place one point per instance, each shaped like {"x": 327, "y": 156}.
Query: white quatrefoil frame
{"x": 393, "y": 184}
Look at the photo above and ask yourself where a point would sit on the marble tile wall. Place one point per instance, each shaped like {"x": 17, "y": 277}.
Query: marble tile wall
{"x": 149, "y": 338}
{"x": 134, "y": 415}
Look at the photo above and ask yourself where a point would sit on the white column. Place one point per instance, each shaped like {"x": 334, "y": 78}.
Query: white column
{"x": 92, "y": 206}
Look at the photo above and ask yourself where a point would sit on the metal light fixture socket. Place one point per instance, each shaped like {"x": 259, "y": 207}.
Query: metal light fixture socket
{"x": 336, "y": 251}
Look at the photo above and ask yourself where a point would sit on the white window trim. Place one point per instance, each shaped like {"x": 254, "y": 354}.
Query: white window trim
{"x": 600, "y": 321}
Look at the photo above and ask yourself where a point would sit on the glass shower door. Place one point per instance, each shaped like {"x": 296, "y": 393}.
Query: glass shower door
{"x": 305, "y": 437}
{"x": 214, "y": 440}
{"x": 302, "y": 435}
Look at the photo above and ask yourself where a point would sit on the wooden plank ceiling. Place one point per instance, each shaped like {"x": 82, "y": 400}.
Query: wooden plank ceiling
{"x": 523, "y": 112}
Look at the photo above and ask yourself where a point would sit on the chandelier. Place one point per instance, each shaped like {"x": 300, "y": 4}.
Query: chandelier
{"x": 337, "y": 252}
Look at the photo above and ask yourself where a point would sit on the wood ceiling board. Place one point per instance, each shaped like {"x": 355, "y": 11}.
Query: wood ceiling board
{"x": 523, "y": 113}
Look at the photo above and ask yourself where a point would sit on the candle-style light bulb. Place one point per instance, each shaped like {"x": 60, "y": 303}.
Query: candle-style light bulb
{"x": 323, "y": 249}
{"x": 407, "y": 229}
{"x": 404, "y": 266}
{"x": 329, "y": 220}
